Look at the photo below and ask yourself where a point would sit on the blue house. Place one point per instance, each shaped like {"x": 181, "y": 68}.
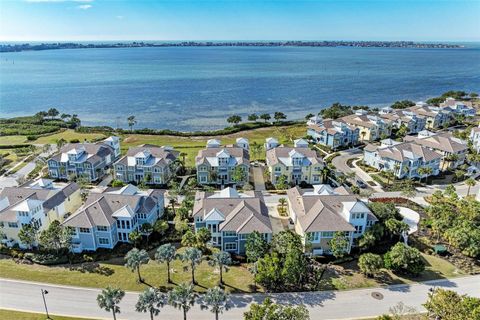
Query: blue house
{"x": 332, "y": 133}
{"x": 231, "y": 216}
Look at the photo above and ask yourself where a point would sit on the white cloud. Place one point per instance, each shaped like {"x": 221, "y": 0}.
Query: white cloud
{"x": 84, "y": 6}
{"x": 119, "y": 17}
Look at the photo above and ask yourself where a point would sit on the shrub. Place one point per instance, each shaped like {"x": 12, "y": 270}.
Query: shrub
{"x": 32, "y": 138}
{"x": 404, "y": 259}
{"x": 370, "y": 264}
{"x": 117, "y": 183}
{"x": 47, "y": 258}
{"x": 74, "y": 141}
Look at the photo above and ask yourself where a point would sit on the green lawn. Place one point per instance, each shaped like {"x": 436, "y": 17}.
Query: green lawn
{"x": 9, "y": 140}
{"x": 69, "y": 135}
{"x": 237, "y": 279}
{"x": 191, "y": 145}
{"x": 20, "y": 315}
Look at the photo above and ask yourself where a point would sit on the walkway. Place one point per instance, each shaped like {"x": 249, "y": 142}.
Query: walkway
{"x": 81, "y": 302}
{"x": 258, "y": 180}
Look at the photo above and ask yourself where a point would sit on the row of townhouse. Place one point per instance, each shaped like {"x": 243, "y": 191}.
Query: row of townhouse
{"x": 317, "y": 214}
{"x": 89, "y": 160}
{"x": 299, "y": 164}
{"x": 108, "y": 217}
{"x": 364, "y": 126}
{"x": 38, "y": 204}
{"x": 219, "y": 165}
{"x": 427, "y": 150}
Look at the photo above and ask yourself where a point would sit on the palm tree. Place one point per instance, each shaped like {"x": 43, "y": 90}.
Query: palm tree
{"x": 183, "y": 155}
{"x": 451, "y": 158}
{"x": 221, "y": 259}
{"x": 166, "y": 253}
{"x": 135, "y": 237}
{"x": 282, "y": 202}
{"x": 216, "y": 300}
{"x": 470, "y": 182}
{"x": 146, "y": 229}
{"x": 325, "y": 172}
{"x": 182, "y": 297}
{"x": 422, "y": 171}
{"x": 131, "y": 122}
{"x": 194, "y": 257}
{"x": 109, "y": 299}
{"x": 134, "y": 259}
{"x": 150, "y": 300}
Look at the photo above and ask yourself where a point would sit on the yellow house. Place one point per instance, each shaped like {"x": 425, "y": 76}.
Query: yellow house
{"x": 38, "y": 203}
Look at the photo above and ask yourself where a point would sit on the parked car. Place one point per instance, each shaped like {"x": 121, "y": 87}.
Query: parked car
{"x": 361, "y": 184}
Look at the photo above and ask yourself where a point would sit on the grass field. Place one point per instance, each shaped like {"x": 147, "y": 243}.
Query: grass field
{"x": 114, "y": 273}
{"x": 69, "y": 135}
{"x": 191, "y": 145}
{"x": 19, "y": 315}
{"x": 9, "y": 140}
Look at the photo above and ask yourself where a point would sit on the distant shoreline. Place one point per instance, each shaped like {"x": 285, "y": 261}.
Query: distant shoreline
{"x": 142, "y": 44}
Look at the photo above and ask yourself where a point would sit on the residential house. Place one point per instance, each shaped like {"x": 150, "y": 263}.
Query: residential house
{"x": 332, "y": 133}
{"x": 231, "y": 216}
{"x": 406, "y": 118}
{"x": 109, "y": 217}
{"x": 404, "y": 159}
{"x": 221, "y": 165}
{"x": 319, "y": 213}
{"x": 459, "y": 107}
{"x": 87, "y": 160}
{"x": 37, "y": 203}
{"x": 445, "y": 144}
{"x": 271, "y": 143}
{"x": 371, "y": 127}
{"x": 435, "y": 117}
{"x": 475, "y": 138}
{"x": 146, "y": 163}
{"x": 298, "y": 164}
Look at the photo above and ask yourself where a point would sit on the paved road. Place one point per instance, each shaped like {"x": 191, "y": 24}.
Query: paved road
{"x": 322, "y": 305}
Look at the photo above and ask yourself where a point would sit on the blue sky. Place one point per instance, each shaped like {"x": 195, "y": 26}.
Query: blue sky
{"x": 419, "y": 20}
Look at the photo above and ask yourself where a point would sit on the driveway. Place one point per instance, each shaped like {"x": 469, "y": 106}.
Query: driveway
{"x": 81, "y": 302}
{"x": 258, "y": 180}
{"x": 411, "y": 218}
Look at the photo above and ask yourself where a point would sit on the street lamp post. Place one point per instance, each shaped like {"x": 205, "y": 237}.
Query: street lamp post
{"x": 44, "y": 292}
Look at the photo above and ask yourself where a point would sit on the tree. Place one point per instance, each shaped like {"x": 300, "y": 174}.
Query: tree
{"x": 65, "y": 116}
{"x": 294, "y": 266}
{"x": 131, "y": 122}
{"x": 269, "y": 271}
{"x": 182, "y": 297}
{"x": 189, "y": 239}
{"x": 216, "y": 300}
{"x": 281, "y": 182}
{"x": 194, "y": 257}
{"x": 109, "y": 299}
{"x": 339, "y": 245}
{"x": 56, "y": 237}
{"x": 203, "y": 236}
{"x": 166, "y": 253}
{"x": 160, "y": 227}
{"x": 265, "y": 117}
{"x": 370, "y": 264}
{"x": 308, "y": 116}
{"x": 221, "y": 260}
{"x": 134, "y": 259}
{"x": 367, "y": 240}
{"x": 150, "y": 300}
{"x": 404, "y": 104}
{"x": 135, "y": 236}
{"x": 470, "y": 182}
{"x": 235, "y": 119}
{"x": 402, "y": 258}
{"x": 147, "y": 230}
{"x": 252, "y": 117}
{"x": 279, "y": 116}
{"x": 239, "y": 175}
{"x": 396, "y": 227}
{"x": 282, "y": 202}
{"x": 449, "y": 305}
{"x": 273, "y": 311}
{"x": 60, "y": 143}
{"x": 28, "y": 234}
{"x": 256, "y": 247}
{"x": 52, "y": 113}
{"x": 336, "y": 111}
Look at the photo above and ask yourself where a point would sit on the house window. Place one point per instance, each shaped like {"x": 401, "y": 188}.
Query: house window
{"x": 102, "y": 228}
{"x": 156, "y": 179}
{"x": 203, "y": 179}
{"x": 13, "y": 225}
{"x": 103, "y": 241}
{"x": 198, "y": 219}
{"x": 243, "y": 236}
{"x": 84, "y": 230}
{"x": 229, "y": 234}
{"x": 314, "y": 236}
{"x": 358, "y": 229}
{"x": 229, "y": 246}
{"x": 278, "y": 169}
{"x": 327, "y": 234}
